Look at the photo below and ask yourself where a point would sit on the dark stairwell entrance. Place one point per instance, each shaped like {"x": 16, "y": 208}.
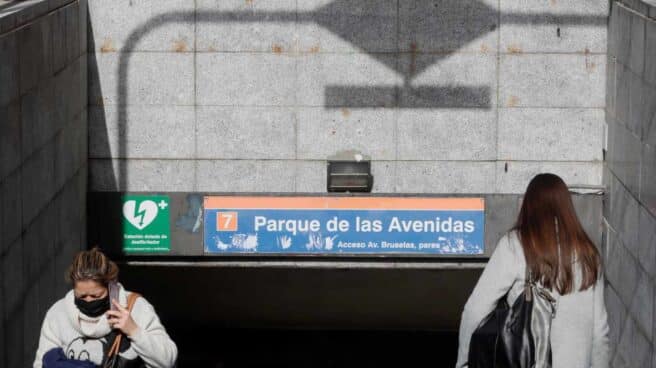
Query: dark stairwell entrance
{"x": 286, "y": 317}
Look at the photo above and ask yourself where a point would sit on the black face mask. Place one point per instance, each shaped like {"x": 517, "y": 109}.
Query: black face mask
{"x": 93, "y": 308}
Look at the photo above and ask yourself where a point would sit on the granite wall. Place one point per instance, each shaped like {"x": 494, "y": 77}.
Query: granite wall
{"x": 629, "y": 175}
{"x": 43, "y": 163}
{"x": 457, "y": 96}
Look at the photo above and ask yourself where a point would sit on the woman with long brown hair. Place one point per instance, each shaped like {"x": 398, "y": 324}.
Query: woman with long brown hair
{"x": 549, "y": 240}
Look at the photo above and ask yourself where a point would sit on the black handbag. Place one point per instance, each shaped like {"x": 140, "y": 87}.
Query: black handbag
{"x": 517, "y": 336}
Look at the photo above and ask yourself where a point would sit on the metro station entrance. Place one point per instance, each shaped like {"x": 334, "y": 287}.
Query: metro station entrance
{"x": 307, "y": 317}
{"x": 300, "y": 281}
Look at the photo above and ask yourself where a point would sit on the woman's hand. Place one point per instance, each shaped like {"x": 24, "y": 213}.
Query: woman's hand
{"x": 121, "y": 319}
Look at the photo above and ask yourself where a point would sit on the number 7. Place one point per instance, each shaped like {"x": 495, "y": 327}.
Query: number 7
{"x": 226, "y": 221}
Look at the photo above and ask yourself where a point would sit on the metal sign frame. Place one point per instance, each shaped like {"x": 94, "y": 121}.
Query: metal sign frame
{"x": 104, "y": 227}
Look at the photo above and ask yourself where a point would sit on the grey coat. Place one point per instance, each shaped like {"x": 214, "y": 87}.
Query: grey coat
{"x": 579, "y": 332}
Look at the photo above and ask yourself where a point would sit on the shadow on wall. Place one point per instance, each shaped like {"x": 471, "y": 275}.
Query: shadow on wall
{"x": 432, "y": 31}
{"x": 97, "y": 114}
{"x": 98, "y": 125}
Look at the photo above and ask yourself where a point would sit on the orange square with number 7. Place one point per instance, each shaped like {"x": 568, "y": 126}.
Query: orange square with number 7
{"x": 226, "y": 221}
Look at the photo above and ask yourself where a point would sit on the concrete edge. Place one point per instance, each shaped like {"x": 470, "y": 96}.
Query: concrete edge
{"x": 315, "y": 265}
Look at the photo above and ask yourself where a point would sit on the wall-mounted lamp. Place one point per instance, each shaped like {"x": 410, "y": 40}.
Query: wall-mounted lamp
{"x": 349, "y": 176}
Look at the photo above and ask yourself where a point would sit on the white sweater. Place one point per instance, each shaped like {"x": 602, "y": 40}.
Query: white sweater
{"x": 83, "y": 338}
{"x": 579, "y": 332}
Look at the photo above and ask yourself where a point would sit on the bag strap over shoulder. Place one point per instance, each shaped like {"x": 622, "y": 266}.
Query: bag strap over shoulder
{"x": 113, "y": 350}
{"x": 132, "y": 298}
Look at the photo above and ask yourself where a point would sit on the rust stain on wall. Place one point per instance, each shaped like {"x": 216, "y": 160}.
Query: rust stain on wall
{"x": 590, "y": 66}
{"x": 277, "y": 49}
{"x": 484, "y": 48}
{"x": 514, "y": 49}
{"x": 513, "y": 101}
{"x": 249, "y": 2}
{"x": 413, "y": 58}
{"x": 314, "y": 49}
{"x": 107, "y": 46}
{"x": 179, "y": 46}
{"x": 346, "y": 112}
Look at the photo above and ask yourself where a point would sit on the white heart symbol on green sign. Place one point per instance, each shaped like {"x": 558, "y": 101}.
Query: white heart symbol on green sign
{"x": 143, "y": 217}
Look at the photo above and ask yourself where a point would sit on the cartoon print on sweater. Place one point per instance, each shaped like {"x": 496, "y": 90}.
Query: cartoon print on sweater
{"x": 87, "y": 348}
{"x": 84, "y": 338}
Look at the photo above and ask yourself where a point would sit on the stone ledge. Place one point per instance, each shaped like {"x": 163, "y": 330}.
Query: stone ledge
{"x": 14, "y": 14}
{"x": 644, "y": 7}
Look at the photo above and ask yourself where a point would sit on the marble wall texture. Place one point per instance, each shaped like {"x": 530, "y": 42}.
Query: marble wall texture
{"x": 629, "y": 176}
{"x": 455, "y": 96}
{"x": 43, "y": 163}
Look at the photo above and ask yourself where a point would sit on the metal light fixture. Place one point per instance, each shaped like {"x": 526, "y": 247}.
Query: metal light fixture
{"x": 349, "y": 176}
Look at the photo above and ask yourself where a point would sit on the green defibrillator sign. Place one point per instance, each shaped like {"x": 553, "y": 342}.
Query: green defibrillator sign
{"x": 146, "y": 223}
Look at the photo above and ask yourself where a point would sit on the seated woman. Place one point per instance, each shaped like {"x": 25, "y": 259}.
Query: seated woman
{"x": 83, "y": 325}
